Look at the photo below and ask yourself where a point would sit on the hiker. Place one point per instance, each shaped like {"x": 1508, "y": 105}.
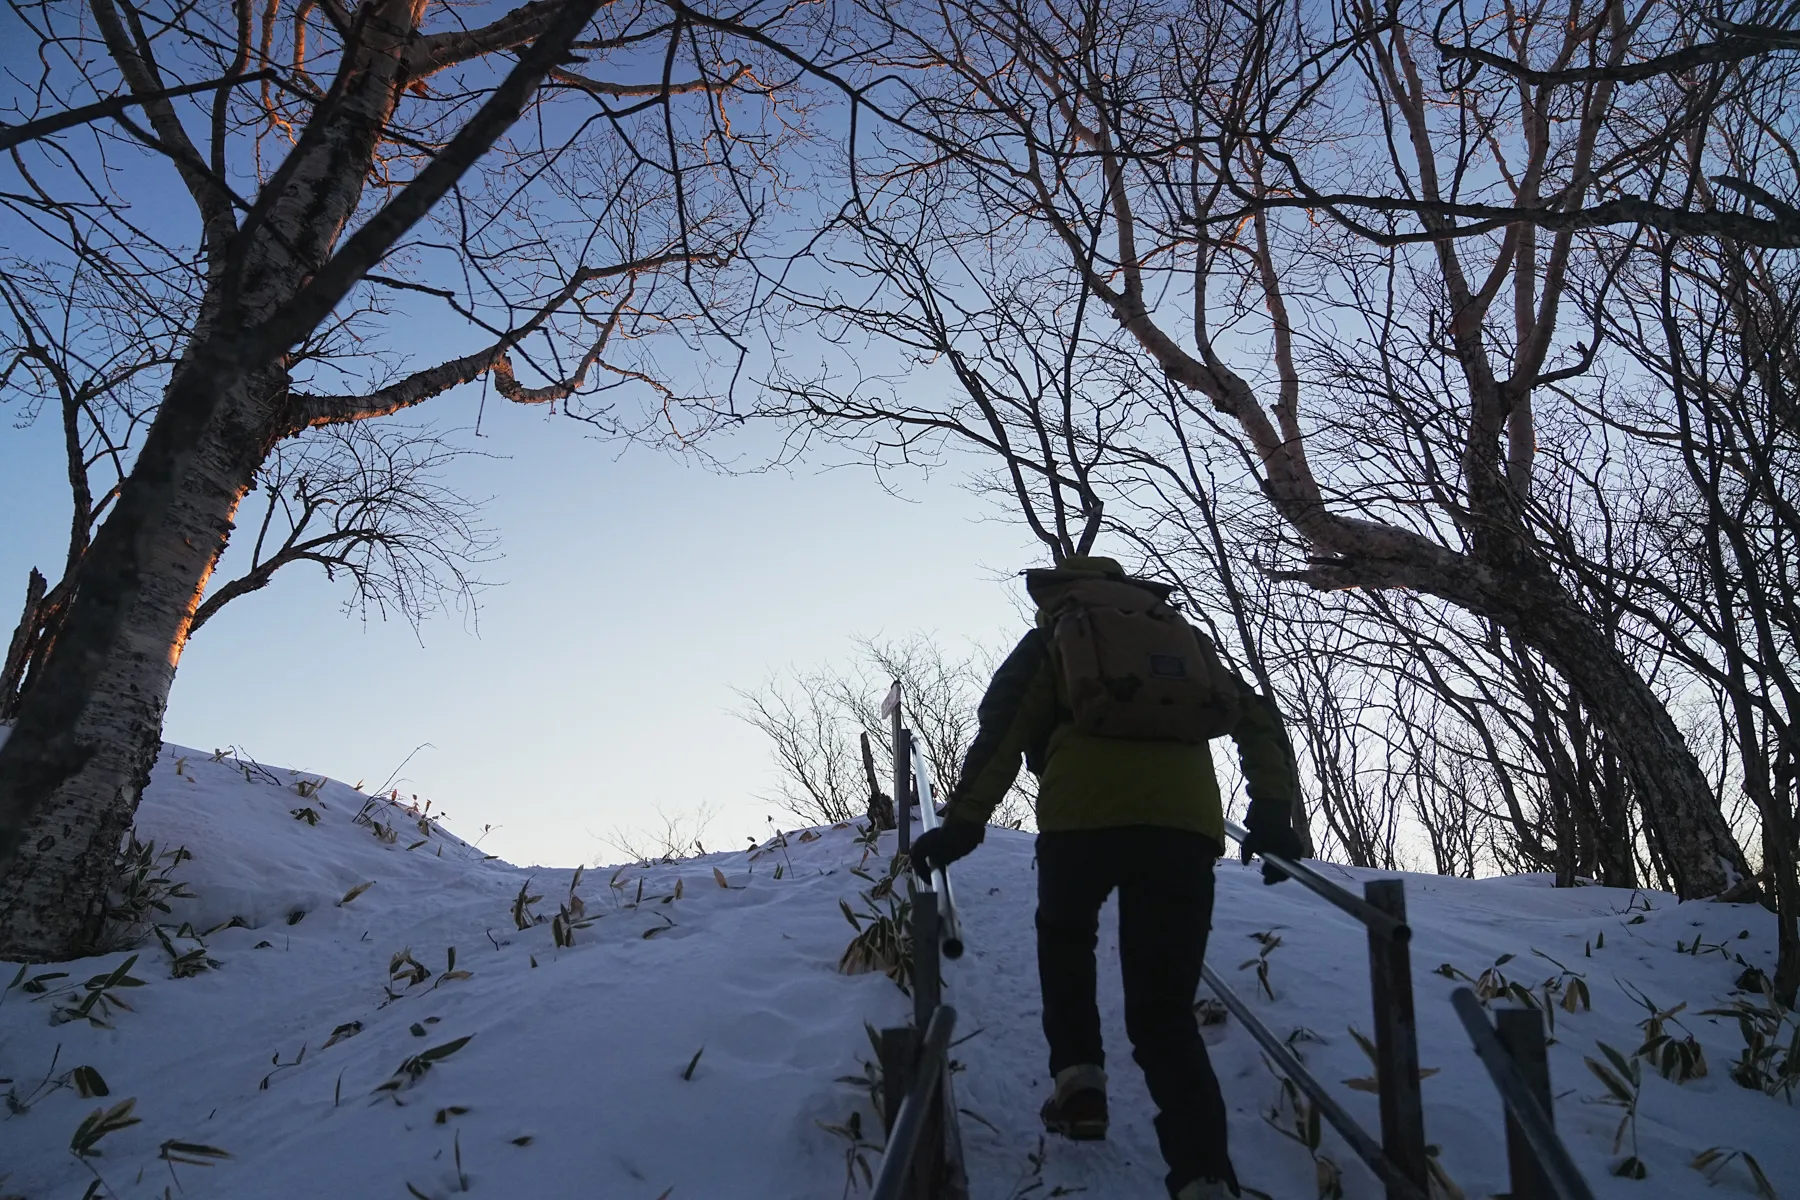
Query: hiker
{"x": 1111, "y": 700}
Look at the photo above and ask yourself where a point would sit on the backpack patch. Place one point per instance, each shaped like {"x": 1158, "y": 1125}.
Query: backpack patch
{"x": 1168, "y": 666}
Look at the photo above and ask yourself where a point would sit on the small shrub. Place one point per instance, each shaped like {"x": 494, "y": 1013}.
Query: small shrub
{"x": 883, "y": 940}
{"x": 522, "y": 915}
{"x": 280, "y": 1066}
{"x": 856, "y": 1152}
{"x": 1699, "y": 947}
{"x": 98, "y": 1124}
{"x": 1296, "y": 1118}
{"x": 85, "y": 1080}
{"x": 1270, "y": 941}
{"x": 571, "y": 915}
{"x": 192, "y": 1154}
{"x": 413, "y": 1069}
{"x": 1770, "y": 1060}
{"x": 1369, "y": 1083}
{"x": 407, "y": 971}
{"x": 870, "y": 1081}
{"x": 1676, "y": 1059}
{"x": 384, "y": 831}
{"x": 102, "y": 996}
{"x": 1624, "y": 1082}
{"x": 143, "y": 883}
{"x": 1713, "y": 1162}
{"x": 1567, "y": 990}
{"x": 1491, "y": 984}
{"x": 184, "y": 964}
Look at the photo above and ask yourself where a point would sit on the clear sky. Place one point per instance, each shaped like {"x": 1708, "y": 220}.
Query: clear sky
{"x": 638, "y": 590}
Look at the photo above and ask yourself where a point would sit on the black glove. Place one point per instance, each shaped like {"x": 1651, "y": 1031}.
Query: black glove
{"x": 937, "y": 848}
{"x": 1276, "y": 839}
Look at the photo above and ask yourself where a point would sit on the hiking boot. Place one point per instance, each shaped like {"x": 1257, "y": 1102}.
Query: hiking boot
{"x": 1208, "y": 1189}
{"x": 1077, "y": 1109}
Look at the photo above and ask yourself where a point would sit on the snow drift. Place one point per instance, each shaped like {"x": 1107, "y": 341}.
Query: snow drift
{"x": 361, "y": 1015}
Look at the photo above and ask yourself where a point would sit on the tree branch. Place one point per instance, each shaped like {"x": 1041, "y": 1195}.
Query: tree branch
{"x": 308, "y": 411}
{"x": 624, "y": 91}
{"x": 436, "y": 51}
{"x": 210, "y": 194}
{"x": 1780, "y": 233}
{"x": 15, "y": 135}
{"x": 369, "y": 244}
{"x": 1740, "y": 42}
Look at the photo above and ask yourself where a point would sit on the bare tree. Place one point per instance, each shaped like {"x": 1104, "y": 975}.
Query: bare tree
{"x": 819, "y": 720}
{"x": 368, "y": 503}
{"x": 672, "y": 838}
{"x": 1150, "y": 159}
{"x": 818, "y": 766}
{"x": 83, "y": 349}
{"x": 1714, "y": 450}
{"x": 563, "y": 246}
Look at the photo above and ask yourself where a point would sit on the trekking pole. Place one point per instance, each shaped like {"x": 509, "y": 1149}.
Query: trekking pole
{"x": 948, "y": 921}
{"x": 1378, "y": 921}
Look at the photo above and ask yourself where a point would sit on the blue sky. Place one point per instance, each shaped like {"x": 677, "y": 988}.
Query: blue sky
{"x": 638, "y": 590}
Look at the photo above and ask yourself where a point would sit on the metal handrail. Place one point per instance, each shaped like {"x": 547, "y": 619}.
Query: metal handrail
{"x": 1378, "y": 922}
{"x": 909, "y": 1123}
{"x": 1552, "y": 1156}
{"x": 1366, "y": 1147}
{"x": 949, "y": 923}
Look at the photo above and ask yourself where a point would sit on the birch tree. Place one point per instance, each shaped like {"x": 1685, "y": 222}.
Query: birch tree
{"x": 379, "y": 174}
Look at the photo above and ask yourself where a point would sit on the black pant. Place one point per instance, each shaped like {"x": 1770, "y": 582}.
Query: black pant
{"x": 1165, "y": 882}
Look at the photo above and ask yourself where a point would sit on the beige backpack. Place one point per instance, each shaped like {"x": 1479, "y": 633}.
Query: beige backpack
{"x": 1129, "y": 664}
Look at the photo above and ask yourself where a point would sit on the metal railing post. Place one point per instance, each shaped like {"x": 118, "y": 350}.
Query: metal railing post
{"x": 902, "y": 781}
{"x": 1514, "y": 1057}
{"x": 1521, "y": 1031}
{"x": 1282, "y": 1055}
{"x": 1523, "y": 1101}
{"x": 896, "y": 1049}
{"x": 927, "y": 977}
{"x": 905, "y": 1172}
{"x": 1396, "y": 1039}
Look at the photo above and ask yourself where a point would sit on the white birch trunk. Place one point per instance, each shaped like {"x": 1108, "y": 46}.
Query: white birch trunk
{"x": 53, "y": 898}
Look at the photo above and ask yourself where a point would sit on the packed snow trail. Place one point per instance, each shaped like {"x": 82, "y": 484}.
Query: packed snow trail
{"x": 579, "y": 1078}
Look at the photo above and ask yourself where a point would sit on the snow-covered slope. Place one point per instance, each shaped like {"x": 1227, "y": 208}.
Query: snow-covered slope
{"x": 579, "y": 1079}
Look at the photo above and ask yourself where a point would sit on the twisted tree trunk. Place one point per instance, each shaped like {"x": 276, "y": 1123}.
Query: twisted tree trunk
{"x": 1504, "y": 579}
{"x": 1702, "y": 854}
